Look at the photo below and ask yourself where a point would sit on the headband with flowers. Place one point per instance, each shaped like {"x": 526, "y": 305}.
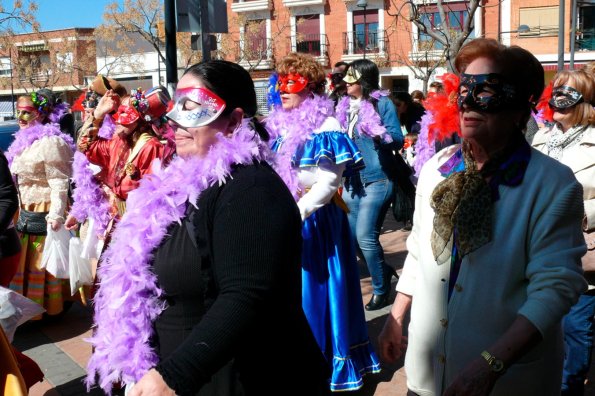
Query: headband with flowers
{"x": 41, "y": 103}
{"x": 140, "y": 103}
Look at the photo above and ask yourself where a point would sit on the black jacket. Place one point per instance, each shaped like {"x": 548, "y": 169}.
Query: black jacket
{"x": 9, "y": 203}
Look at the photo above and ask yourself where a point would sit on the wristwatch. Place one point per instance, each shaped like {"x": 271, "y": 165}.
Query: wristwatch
{"x": 496, "y": 365}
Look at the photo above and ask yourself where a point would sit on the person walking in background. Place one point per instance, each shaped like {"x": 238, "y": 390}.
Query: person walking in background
{"x": 40, "y": 159}
{"x": 408, "y": 111}
{"x": 313, "y": 154}
{"x": 417, "y": 96}
{"x": 10, "y": 246}
{"x": 370, "y": 119}
{"x": 436, "y": 87}
{"x": 571, "y": 140}
{"x": 192, "y": 279}
{"x": 493, "y": 259}
{"x": 338, "y": 86}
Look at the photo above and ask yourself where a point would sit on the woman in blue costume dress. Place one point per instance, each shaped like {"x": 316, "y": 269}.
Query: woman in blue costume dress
{"x": 312, "y": 155}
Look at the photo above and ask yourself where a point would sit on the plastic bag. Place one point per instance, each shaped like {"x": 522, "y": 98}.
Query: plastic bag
{"x": 92, "y": 245}
{"x": 55, "y": 252}
{"x": 16, "y": 310}
{"x": 79, "y": 267}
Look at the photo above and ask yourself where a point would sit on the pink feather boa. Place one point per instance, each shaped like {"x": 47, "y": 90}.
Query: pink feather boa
{"x": 129, "y": 298}
{"x": 369, "y": 122}
{"x": 294, "y": 127}
{"x": 24, "y": 138}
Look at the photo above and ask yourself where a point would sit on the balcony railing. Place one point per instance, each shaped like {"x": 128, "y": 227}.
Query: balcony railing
{"x": 374, "y": 41}
{"x": 313, "y": 44}
{"x": 585, "y": 40}
{"x": 255, "y": 53}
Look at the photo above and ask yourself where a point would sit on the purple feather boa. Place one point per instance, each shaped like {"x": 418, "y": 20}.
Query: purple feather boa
{"x": 24, "y": 138}
{"x": 295, "y": 127}
{"x": 369, "y": 122}
{"x": 424, "y": 147}
{"x": 129, "y": 298}
{"x": 59, "y": 111}
{"x": 89, "y": 198}
{"x": 108, "y": 127}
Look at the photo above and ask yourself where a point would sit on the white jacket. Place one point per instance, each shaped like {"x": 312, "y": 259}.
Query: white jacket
{"x": 531, "y": 267}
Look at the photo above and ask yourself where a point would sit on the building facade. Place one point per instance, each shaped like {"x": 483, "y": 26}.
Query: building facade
{"x": 262, "y": 31}
{"x": 59, "y": 60}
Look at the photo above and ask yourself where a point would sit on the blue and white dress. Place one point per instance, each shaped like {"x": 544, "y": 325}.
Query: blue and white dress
{"x": 331, "y": 293}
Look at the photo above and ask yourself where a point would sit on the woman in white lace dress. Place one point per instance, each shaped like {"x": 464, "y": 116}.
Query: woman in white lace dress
{"x": 40, "y": 160}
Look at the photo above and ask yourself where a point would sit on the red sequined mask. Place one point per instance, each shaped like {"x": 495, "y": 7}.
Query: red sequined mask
{"x": 126, "y": 115}
{"x": 292, "y": 83}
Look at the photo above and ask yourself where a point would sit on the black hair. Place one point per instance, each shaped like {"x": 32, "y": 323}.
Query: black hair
{"x": 403, "y": 96}
{"x": 370, "y": 76}
{"x": 232, "y": 83}
{"x": 341, "y": 63}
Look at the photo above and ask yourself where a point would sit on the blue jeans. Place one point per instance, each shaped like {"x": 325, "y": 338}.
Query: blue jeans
{"x": 578, "y": 342}
{"x": 367, "y": 205}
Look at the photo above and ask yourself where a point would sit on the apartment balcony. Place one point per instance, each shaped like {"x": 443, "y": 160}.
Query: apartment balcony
{"x": 255, "y": 54}
{"x": 585, "y": 40}
{"x": 251, "y": 5}
{"x": 356, "y": 44}
{"x": 313, "y": 44}
{"x": 303, "y": 3}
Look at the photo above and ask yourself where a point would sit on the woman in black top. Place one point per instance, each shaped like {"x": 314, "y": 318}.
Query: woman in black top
{"x": 204, "y": 267}
{"x": 10, "y": 245}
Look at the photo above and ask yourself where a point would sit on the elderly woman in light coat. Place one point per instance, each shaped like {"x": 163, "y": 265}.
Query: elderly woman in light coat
{"x": 494, "y": 254}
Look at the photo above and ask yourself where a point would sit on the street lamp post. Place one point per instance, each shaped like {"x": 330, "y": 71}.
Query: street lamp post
{"x": 364, "y": 4}
{"x": 11, "y": 83}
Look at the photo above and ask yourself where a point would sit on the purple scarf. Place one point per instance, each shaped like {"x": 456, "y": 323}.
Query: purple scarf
{"x": 24, "y": 138}
{"x": 424, "y": 147}
{"x": 369, "y": 122}
{"x": 89, "y": 198}
{"x": 129, "y": 299}
{"x": 294, "y": 127}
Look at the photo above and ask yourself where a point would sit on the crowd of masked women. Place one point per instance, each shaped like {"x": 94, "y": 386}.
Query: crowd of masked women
{"x": 226, "y": 243}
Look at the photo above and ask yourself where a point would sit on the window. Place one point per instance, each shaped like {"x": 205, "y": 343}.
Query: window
{"x": 542, "y": 21}
{"x": 5, "y": 67}
{"x": 365, "y": 28}
{"x": 64, "y": 61}
{"x": 585, "y": 35}
{"x": 34, "y": 66}
{"x": 308, "y": 34}
{"x": 255, "y": 40}
{"x": 456, "y": 17}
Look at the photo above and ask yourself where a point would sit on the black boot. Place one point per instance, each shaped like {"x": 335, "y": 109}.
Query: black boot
{"x": 387, "y": 275}
{"x": 377, "y": 302}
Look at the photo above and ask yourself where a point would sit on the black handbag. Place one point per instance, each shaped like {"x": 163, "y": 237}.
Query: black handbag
{"x": 32, "y": 223}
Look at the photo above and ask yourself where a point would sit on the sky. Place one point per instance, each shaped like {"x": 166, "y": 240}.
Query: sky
{"x": 61, "y": 14}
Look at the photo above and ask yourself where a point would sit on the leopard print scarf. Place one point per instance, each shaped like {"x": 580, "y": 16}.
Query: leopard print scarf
{"x": 463, "y": 201}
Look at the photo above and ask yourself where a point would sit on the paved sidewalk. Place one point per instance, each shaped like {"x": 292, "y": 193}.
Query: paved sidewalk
{"x": 57, "y": 345}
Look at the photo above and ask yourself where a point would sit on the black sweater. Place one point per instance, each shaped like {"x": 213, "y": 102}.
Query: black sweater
{"x": 9, "y": 203}
{"x": 231, "y": 274}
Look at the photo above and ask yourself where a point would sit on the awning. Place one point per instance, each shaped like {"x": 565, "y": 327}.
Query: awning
{"x": 566, "y": 66}
{"x": 6, "y": 109}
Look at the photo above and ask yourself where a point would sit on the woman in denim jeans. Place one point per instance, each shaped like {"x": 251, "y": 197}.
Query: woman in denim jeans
{"x": 368, "y": 192}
